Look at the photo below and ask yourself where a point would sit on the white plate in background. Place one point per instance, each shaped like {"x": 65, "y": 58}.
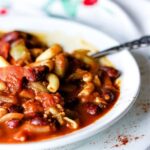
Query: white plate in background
{"x": 105, "y": 15}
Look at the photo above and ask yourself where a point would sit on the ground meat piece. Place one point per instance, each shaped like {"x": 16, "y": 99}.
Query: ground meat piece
{"x": 49, "y": 100}
{"x": 14, "y": 84}
{"x": 32, "y": 106}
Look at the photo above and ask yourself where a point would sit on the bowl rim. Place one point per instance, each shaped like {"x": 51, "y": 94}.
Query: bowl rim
{"x": 59, "y": 141}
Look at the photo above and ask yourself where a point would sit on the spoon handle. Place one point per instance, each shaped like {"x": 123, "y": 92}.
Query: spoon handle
{"x": 142, "y": 42}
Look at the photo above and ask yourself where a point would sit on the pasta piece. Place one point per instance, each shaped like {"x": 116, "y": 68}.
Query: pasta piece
{"x": 37, "y": 87}
{"x": 97, "y": 81}
{"x": 19, "y": 51}
{"x": 8, "y": 99}
{"x": 71, "y": 123}
{"x": 37, "y": 129}
{"x": 61, "y": 64}
{"x": 48, "y": 63}
{"x": 3, "y": 112}
{"x": 82, "y": 51}
{"x": 81, "y": 74}
{"x": 87, "y": 60}
{"x": 2, "y": 86}
{"x": 3, "y": 62}
{"x": 87, "y": 89}
{"x": 87, "y": 77}
{"x": 77, "y": 75}
{"x": 50, "y": 53}
{"x": 53, "y": 83}
{"x": 58, "y": 113}
{"x": 107, "y": 82}
{"x": 11, "y": 116}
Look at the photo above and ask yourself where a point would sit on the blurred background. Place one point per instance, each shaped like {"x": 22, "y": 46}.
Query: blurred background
{"x": 121, "y": 19}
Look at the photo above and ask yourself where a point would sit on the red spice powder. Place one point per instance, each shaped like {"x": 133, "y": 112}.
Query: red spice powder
{"x": 145, "y": 107}
{"x": 123, "y": 139}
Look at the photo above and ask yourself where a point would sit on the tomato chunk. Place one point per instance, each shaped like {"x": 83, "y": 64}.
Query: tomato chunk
{"x": 4, "y": 49}
{"x": 13, "y": 76}
{"x": 48, "y": 100}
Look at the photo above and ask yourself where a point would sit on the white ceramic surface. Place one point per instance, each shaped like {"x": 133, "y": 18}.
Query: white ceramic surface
{"x": 104, "y": 15}
{"x": 122, "y": 61}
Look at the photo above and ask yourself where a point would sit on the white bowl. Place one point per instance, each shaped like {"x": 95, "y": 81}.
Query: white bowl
{"x": 73, "y": 34}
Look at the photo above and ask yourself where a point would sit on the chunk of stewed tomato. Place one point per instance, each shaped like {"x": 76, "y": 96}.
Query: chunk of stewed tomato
{"x": 4, "y": 49}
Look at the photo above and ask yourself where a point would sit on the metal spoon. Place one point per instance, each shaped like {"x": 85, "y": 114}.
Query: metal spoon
{"x": 142, "y": 42}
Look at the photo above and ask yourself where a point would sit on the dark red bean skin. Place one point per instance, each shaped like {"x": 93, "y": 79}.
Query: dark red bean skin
{"x": 40, "y": 72}
{"x": 38, "y": 121}
{"x": 91, "y": 109}
{"x": 37, "y": 73}
{"x": 10, "y": 37}
{"x": 112, "y": 72}
{"x": 13, "y": 123}
{"x": 15, "y": 108}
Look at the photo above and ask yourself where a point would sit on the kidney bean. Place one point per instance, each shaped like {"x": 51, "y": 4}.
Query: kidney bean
{"x": 30, "y": 40}
{"x": 11, "y": 36}
{"x": 32, "y": 106}
{"x": 13, "y": 123}
{"x": 15, "y": 108}
{"x": 112, "y": 72}
{"x": 91, "y": 109}
{"x": 38, "y": 121}
{"x": 36, "y": 73}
